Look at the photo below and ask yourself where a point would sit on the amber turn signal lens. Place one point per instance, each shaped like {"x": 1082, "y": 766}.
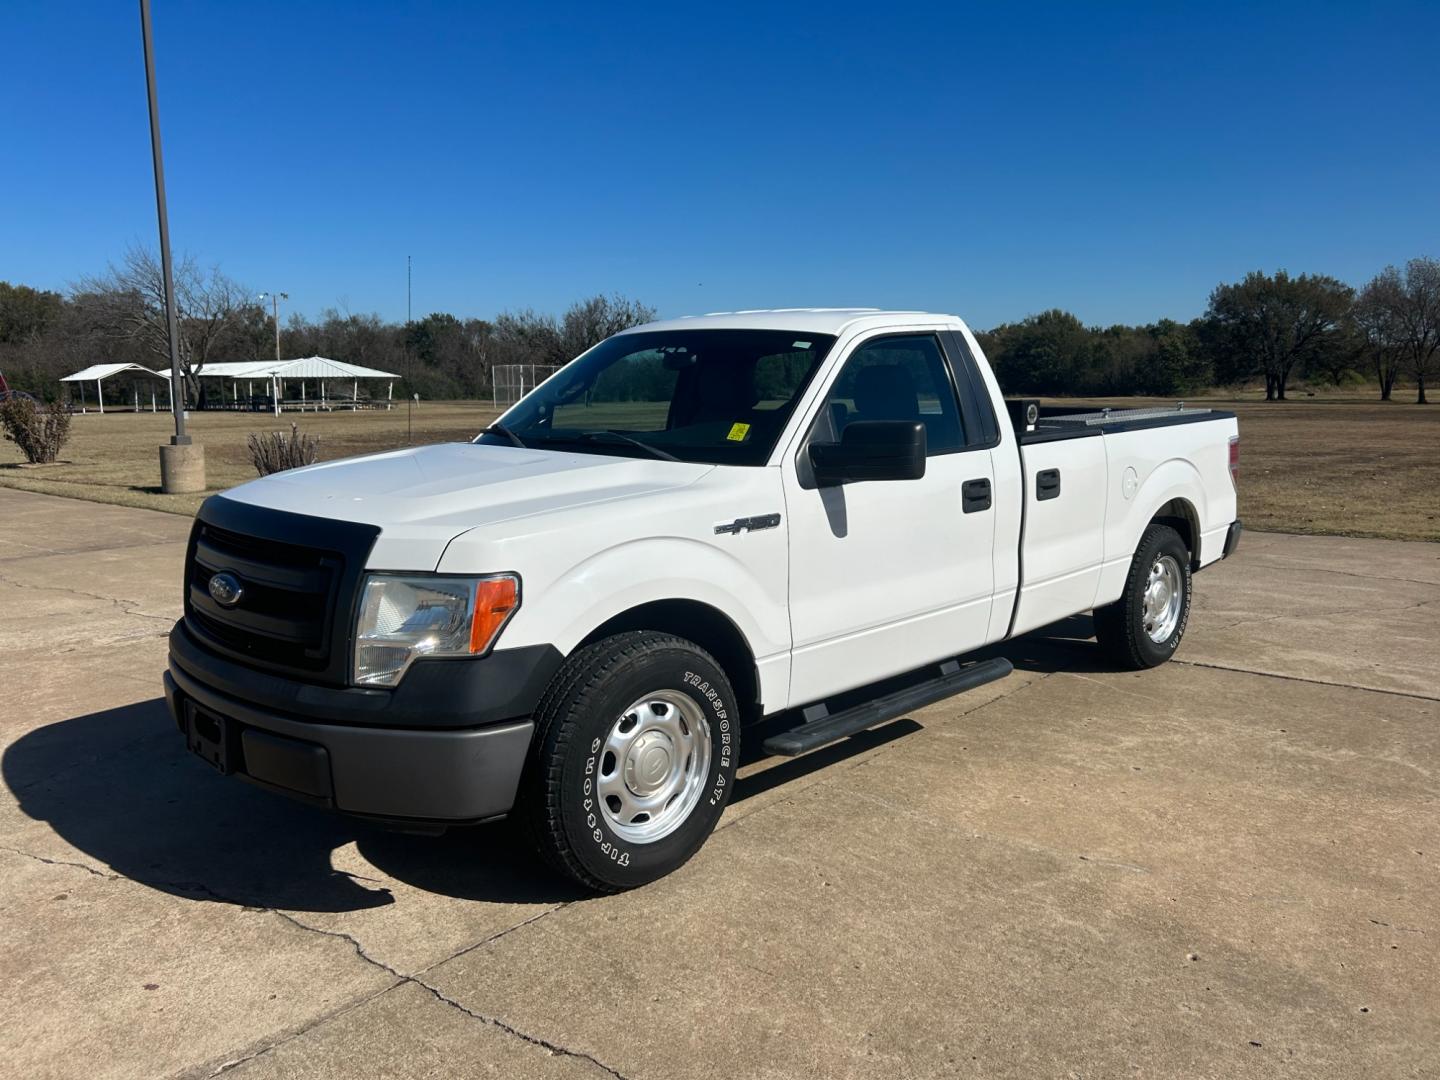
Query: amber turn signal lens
{"x": 495, "y": 601}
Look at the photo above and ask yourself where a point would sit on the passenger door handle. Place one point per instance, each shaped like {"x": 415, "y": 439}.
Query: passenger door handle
{"x": 1047, "y": 484}
{"x": 975, "y": 495}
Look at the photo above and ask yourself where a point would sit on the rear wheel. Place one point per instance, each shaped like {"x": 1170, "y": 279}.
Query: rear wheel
{"x": 636, "y": 745}
{"x": 1144, "y": 627}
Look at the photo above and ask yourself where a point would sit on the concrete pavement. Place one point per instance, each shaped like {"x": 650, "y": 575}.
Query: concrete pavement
{"x": 1223, "y": 867}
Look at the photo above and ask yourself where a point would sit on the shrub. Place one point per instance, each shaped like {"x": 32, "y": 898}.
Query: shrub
{"x": 39, "y": 430}
{"x": 275, "y": 452}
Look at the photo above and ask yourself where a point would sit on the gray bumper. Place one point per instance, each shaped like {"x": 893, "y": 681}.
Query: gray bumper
{"x": 451, "y": 775}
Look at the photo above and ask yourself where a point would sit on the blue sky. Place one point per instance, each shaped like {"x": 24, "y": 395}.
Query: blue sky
{"x": 992, "y": 161}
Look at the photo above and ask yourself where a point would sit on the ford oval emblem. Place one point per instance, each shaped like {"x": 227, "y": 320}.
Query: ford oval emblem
{"x": 225, "y": 589}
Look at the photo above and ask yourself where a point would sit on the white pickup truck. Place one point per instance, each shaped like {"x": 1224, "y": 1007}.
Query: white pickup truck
{"x": 807, "y": 516}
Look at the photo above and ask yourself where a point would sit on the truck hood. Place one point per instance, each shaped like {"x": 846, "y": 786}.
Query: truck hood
{"x": 423, "y": 497}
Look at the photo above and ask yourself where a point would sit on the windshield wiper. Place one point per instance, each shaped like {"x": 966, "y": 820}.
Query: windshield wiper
{"x": 505, "y": 433}
{"x": 609, "y": 434}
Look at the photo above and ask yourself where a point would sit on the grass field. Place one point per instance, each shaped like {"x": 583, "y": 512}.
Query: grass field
{"x": 1330, "y": 464}
{"x": 115, "y": 458}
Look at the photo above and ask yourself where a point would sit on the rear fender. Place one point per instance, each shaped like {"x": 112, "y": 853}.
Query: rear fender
{"x": 1127, "y": 519}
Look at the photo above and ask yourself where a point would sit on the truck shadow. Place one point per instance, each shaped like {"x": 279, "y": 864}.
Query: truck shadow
{"x": 1068, "y": 645}
{"x": 120, "y": 787}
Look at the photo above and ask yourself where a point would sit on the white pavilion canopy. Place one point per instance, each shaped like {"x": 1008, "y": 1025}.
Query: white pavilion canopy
{"x": 272, "y": 374}
{"x": 98, "y": 373}
{"x": 306, "y": 367}
{"x": 319, "y": 369}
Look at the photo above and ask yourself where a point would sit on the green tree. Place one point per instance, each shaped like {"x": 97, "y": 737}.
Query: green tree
{"x": 26, "y": 313}
{"x": 1172, "y": 361}
{"x": 1272, "y": 324}
{"x": 1047, "y": 353}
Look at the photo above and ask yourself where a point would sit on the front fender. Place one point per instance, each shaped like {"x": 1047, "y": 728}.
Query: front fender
{"x": 616, "y": 579}
{"x": 746, "y": 585}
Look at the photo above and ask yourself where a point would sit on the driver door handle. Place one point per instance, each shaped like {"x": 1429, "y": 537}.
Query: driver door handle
{"x": 975, "y": 495}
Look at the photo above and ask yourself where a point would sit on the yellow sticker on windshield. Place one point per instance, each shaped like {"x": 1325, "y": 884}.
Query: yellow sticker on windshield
{"x": 738, "y": 432}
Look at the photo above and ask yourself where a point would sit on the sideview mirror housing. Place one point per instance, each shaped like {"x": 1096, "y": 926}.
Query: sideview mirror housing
{"x": 871, "y": 450}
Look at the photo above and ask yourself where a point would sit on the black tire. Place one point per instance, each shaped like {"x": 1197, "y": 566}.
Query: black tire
{"x": 1120, "y": 627}
{"x": 576, "y": 714}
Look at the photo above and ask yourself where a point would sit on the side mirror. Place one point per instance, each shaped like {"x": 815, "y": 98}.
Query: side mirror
{"x": 871, "y": 450}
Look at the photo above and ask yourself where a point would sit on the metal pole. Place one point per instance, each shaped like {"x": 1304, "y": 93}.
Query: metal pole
{"x": 275, "y": 312}
{"x": 172, "y": 322}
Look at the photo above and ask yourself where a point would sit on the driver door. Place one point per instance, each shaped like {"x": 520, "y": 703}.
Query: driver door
{"x": 886, "y": 576}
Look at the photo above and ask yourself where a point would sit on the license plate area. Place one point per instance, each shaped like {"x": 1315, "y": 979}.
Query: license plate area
{"x": 209, "y": 737}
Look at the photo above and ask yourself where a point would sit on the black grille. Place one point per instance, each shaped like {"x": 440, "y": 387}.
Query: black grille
{"x": 297, "y": 598}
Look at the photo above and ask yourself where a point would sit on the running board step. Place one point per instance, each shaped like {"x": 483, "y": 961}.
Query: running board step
{"x": 822, "y": 727}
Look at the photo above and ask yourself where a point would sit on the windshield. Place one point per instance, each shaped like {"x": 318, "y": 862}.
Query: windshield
{"x": 715, "y": 396}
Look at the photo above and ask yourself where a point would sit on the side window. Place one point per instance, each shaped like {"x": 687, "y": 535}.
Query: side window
{"x": 899, "y": 378}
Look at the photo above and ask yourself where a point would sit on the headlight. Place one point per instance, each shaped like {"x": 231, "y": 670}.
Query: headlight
{"x": 403, "y": 618}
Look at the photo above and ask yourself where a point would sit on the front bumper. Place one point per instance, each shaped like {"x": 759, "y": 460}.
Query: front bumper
{"x": 375, "y": 753}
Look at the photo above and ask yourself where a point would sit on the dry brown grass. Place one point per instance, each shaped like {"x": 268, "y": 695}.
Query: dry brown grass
{"x": 1328, "y": 464}
{"x": 115, "y": 458}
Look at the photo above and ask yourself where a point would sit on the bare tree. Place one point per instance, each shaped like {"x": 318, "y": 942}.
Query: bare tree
{"x": 1409, "y": 304}
{"x": 589, "y": 322}
{"x": 528, "y": 337}
{"x": 128, "y": 301}
{"x": 1376, "y": 322}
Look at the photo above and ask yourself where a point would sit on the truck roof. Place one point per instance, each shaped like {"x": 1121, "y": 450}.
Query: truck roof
{"x": 812, "y": 320}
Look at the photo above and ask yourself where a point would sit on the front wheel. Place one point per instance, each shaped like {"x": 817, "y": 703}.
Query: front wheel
{"x": 636, "y": 744}
{"x": 1144, "y": 627}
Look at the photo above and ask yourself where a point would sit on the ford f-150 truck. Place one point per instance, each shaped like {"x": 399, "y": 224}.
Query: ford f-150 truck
{"x": 806, "y": 517}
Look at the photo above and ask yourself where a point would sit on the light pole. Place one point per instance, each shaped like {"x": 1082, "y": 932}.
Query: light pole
{"x": 182, "y": 463}
{"x": 275, "y": 299}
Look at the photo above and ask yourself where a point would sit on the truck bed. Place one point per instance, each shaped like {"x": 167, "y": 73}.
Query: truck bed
{"x": 1055, "y": 424}
{"x": 1087, "y": 498}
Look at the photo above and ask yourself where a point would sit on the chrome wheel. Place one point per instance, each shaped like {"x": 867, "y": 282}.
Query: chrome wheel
{"x": 653, "y": 766}
{"x": 1164, "y": 595}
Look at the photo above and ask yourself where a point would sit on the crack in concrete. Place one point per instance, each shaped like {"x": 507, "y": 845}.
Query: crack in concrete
{"x": 60, "y": 862}
{"x": 1343, "y": 573}
{"x": 1303, "y": 679}
{"x": 1317, "y": 615}
{"x": 127, "y": 607}
{"x": 555, "y": 1049}
{"x": 334, "y": 1014}
{"x": 1399, "y": 929}
{"x": 490, "y": 939}
{"x": 402, "y": 978}
{"x": 48, "y": 553}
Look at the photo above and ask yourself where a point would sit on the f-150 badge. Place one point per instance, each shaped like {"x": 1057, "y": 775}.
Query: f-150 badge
{"x": 749, "y": 524}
